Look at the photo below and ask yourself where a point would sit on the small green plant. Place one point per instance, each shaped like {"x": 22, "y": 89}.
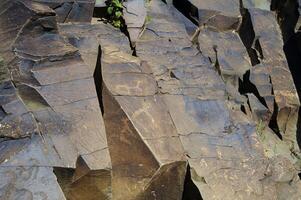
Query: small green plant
{"x": 260, "y": 128}
{"x": 148, "y": 19}
{"x": 114, "y": 12}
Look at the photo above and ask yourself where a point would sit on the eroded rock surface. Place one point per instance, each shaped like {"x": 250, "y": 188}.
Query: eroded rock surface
{"x": 50, "y": 115}
{"x": 197, "y": 101}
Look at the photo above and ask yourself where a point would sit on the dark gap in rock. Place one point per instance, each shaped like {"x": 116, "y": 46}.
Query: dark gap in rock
{"x": 243, "y": 109}
{"x": 210, "y": 60}
{"x": 246, "y": 86}
{"x": 125, "y": 31}
{"x": 274, "y": 5}
{"x": 172, "y": 75}
{"x": 299, "y": 176}
{"x": 100, "y": 11}
{"x": 287, "y": 16}
{"x": 248, "y": 102}
{"x": 98, "y": 80}
{"x": 188, "y": 10}
{"x": 57, "y": 6}
{"x": 292, "y": 51}
{"x": 247, "y": 35}
{"x": 190, "y": 192}
{"x": 216, "y": 64}
{"x": 273, "y": 122}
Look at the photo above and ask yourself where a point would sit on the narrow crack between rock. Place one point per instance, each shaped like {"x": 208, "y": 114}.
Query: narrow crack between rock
{"x": 190, "y": 192}
{"x": 98, "y": 81}
{"x": 247, "y": 35}
{"x": 252, "y": 44}
{"x": 246, "y": 86}
{"x": 102, "y": 14}
{"x": 188, "y": 10}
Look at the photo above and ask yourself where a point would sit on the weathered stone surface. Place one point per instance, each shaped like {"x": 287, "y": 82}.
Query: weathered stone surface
{"x": 220, "y": 14}
{"x": 274, "y": 60}
{"x": 221, "y": 143}
{"x": 29, "y": 183}
{"x": 135, "y": 16}
{"x": 145, "y": 159}
{"x": 261, "y": 4}
{"x": 71, "y": 10}
{"x": 206, "y": 109}
{"x": 45, "y": 124}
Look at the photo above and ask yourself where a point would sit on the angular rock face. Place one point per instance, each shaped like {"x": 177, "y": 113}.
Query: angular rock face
{"x": 71, "y": 10}
{"x": 220, "y": 140}
{"x": 50, "y": 115}
{"x": 197, "y": 103}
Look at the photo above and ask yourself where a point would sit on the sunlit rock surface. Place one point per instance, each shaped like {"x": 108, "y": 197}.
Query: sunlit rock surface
{"x": 196, "y": 100}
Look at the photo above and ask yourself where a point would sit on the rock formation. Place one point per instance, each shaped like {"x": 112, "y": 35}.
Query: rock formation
{"x": 189, "y": 100}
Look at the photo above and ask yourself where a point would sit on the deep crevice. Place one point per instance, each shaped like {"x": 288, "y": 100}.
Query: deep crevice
{"x": 125, "y": 31}
{"x": 98, "y": 81}
{"x": 273, "y": 124}
{"x": 288, "y": 15}
{"x": 188, "y": 10}
{"x": 246, "y": 86}
{"x": 247, "y": 34}
{"x": 292, "y": 51}
{"x": 102, "y": 14}
{"x": 216, "y": 64}
{"x": 243, "y": 109}
{"x": 190, "y": 192}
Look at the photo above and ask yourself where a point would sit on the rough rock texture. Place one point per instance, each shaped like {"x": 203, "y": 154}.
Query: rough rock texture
{"x": 71, "y": 10}
{"x": 50, "y": 115}
{"x": 196, "y": 102}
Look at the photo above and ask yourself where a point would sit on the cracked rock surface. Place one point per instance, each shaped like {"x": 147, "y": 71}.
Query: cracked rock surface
{"x": 195, "y": 100}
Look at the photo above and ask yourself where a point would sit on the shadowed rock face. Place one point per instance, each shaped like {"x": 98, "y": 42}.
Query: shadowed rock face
{"x": 207, "y": 109}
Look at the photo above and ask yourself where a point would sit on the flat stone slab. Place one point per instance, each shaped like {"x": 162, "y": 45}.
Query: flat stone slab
{"x": 71, "y": 10}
